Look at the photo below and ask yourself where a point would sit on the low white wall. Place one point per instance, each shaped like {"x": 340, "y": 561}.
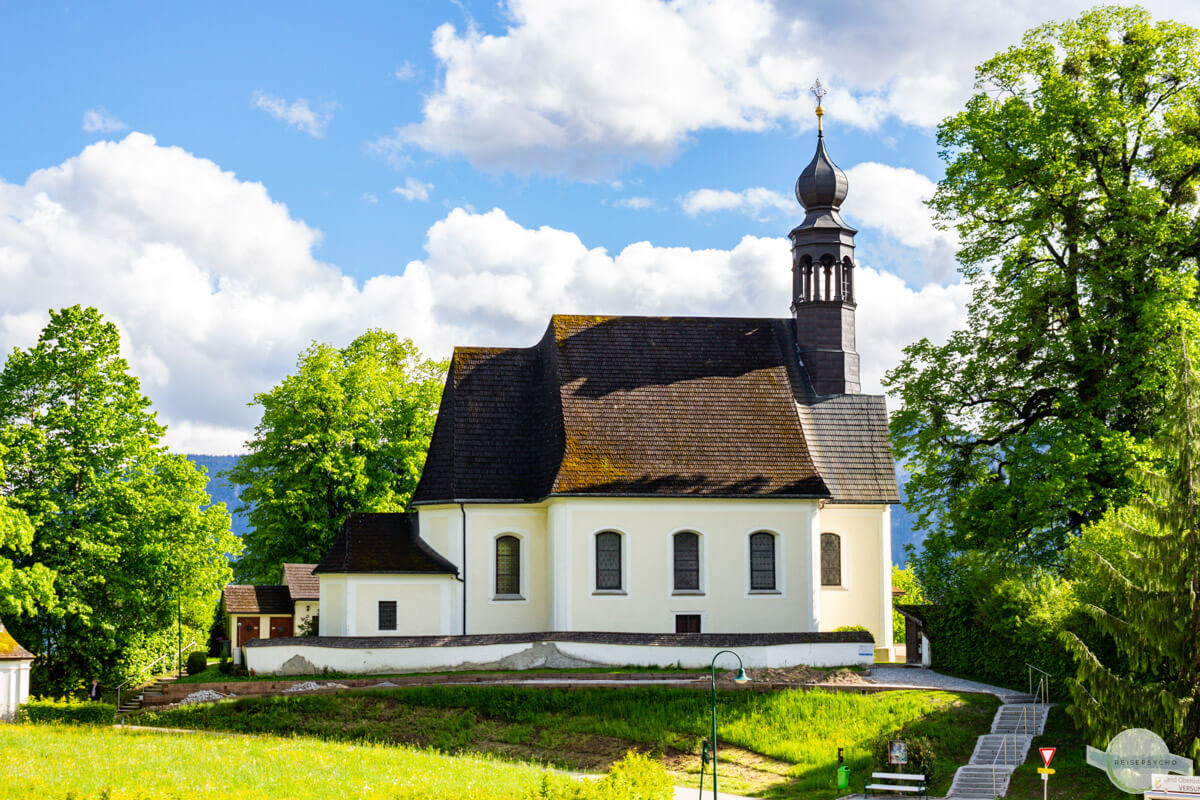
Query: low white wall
{"x": 14, "y": 687}
{"x": 270, "y": 658}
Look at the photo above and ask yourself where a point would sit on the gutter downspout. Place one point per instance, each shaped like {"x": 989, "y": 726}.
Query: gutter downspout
{"x": 463, "y": 509}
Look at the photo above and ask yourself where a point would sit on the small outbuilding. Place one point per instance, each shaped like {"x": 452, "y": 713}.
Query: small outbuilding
{"x": 257, "y": 612}
{"x": 15, "y": 663}
{"x": 305, "y": 590}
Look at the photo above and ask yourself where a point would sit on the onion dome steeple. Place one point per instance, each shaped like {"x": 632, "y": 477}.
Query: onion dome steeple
{"x": 823, "y": 273}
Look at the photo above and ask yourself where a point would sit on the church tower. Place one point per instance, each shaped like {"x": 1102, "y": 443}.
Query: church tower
{"x": 823, "y": 274}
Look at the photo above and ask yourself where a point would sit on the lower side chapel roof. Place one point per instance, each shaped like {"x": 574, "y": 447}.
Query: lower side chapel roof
{"x": 652, "y": 406}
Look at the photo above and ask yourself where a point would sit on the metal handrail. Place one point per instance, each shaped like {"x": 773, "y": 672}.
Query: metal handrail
{"x": 1001, "y": 750}
{"x": 142, "y": 672}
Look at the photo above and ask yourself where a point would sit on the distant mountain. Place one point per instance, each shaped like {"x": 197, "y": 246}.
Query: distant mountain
{"x": 903, "y": 525}
{"x": 221, "y": 490}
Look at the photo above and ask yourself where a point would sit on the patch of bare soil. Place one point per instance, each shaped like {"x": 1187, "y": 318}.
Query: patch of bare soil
{"x": 796, "y": 676}
{"x": 740, "y": 769}
{"x": 573, "y": 751}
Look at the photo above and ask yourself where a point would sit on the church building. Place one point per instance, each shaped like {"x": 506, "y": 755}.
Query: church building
{"x": 642, "y": 480}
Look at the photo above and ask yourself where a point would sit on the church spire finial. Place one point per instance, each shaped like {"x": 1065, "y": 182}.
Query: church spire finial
{"x": 819, "y": 92}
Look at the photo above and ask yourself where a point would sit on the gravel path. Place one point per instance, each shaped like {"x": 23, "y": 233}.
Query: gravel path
{"x": 928, "y": 679}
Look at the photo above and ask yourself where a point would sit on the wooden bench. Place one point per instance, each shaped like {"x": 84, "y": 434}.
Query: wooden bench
{"x": 915, "y": 785}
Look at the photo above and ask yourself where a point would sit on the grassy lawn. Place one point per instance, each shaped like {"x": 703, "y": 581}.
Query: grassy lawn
{"x": 1072, "y": 776}
{"x": 54, "y": 761}
{"x": 781, "y": 744}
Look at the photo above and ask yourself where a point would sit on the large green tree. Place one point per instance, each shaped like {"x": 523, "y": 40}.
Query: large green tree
{"x": 1148, "y": 595}
{"x": 1071, "y": 179}
{"x": 22, "y": 589}
{"x": 347, "y": 432}
{"x": 118, "y": 521}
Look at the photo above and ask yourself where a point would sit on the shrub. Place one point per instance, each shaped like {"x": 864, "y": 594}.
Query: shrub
{"x": 921, "y": 758}
{"x": 634, "y": 777}
{"x": 45, "y": 709}
{"x": 226, "y": 666}
{"x": 196, "y": 663}
{"x": 850, "y": 628}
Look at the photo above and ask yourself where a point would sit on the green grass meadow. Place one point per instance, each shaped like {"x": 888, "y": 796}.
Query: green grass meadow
{"x": 779, "y": 744}
{"x": 50, "y": 762}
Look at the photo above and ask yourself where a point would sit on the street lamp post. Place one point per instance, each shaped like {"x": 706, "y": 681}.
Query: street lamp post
{"x": 741, "y": 678}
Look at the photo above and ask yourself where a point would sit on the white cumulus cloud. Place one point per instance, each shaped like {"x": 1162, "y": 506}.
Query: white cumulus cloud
{"x": 636, "y": 202}
{"x": 297, "y": 114}
{"x": 97, "y": 120}
{"x": 583, "y": 87}
{"x": 215, "y": 286}
{"x": 756, "y": 202}
{"x": 414, "y": 189}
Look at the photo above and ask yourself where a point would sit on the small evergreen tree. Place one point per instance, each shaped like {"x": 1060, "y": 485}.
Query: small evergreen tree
{"x": 1153, "y": 592}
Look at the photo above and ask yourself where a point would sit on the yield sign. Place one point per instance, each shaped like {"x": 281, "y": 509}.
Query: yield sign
{"x": 1047, "y": 754}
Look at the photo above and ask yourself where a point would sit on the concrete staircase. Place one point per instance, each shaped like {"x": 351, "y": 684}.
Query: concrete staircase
{"x": 998, "y": 753}
{"x": 133, "y": 701}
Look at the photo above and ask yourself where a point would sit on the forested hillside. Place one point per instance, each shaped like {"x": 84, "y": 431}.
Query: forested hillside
{"x": 221, "y": 490}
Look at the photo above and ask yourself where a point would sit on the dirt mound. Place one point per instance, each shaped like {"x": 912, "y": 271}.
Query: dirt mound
{"x": 795, "y": 676}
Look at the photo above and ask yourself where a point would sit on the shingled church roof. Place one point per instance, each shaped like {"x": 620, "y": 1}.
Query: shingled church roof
{"x": 652, "y": 406}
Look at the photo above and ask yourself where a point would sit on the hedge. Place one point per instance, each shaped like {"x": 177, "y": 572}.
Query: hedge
{"x": 44, "y": 709}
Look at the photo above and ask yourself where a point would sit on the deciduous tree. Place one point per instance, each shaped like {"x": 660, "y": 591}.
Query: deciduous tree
{"x": 1071, "y": 178}
{"x": 347, "y": 432}
{"x": 118, "y": 521}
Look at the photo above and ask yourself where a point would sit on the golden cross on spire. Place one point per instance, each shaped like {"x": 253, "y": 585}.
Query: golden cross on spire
{"x": 819, "y": 91}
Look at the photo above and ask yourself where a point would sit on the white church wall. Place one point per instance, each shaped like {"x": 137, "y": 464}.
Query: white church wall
{"x": 269, "y": 659}
{"x": 558, "y": 565}
{"x": 423, "y": 604}
{"x": 864, "y": 598}
{"x": 332, "y": 621}
{"x": 647, "y": 601}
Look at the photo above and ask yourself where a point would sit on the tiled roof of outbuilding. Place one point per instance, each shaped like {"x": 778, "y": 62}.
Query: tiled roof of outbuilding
{"x": 651, "y": 406}
{"x": 240, "y": 599}
{"x": 384, "y": 543}
{"x": 300, "y": 581}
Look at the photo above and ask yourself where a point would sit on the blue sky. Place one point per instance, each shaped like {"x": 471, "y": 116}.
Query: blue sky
{"x": 229, "y": 182}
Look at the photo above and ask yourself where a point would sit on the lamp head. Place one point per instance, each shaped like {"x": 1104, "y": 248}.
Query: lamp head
{"x": 741, "y": 676}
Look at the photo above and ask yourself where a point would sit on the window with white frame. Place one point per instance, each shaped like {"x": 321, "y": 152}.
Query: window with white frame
{"x": 508, "y": 566}
{"x": 762, "y": 562}
{"x": 608, "y": 562}
{"x": 687, "y": 561}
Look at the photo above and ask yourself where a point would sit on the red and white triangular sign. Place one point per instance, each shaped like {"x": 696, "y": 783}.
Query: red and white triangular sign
{"x": 1047, "y": 754}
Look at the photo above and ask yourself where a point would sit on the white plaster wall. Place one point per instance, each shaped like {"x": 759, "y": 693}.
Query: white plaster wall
{"x": 558, "y": 568}
{"x": 304, "y": 611}
{"x": 14, "y": 686}
{"x": 864, "y": 598}
{"x": 414, "y": 659}
{"x": 332, "y": 620}
{"x": 649, "y": 603}
{"x": 422, "y": 604}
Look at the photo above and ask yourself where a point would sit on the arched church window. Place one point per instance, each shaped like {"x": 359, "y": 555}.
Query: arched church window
{"x": 608, "y": 561}
{"x": 687, "y": 562}
{"x": 508, "y": 565}
{"x": 762, "y": 562}
{"x": 831, "y": 559}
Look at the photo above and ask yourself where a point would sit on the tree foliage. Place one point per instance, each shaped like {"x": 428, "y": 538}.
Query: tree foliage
{"x": 1150, "y": 590}
{"x": 347, "y": 432}
{"x": 1071, "y": 179}
{"x": 113, "y": 524}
